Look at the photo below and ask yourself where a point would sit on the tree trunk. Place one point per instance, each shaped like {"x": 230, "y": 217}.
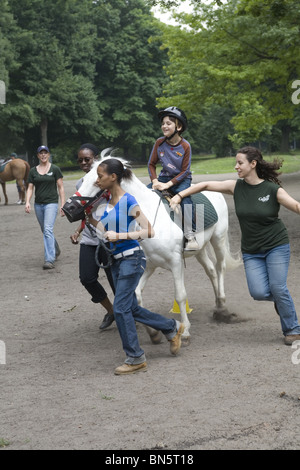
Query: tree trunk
{"x": 44, "y": 131}
{"x": 285, "y": 138}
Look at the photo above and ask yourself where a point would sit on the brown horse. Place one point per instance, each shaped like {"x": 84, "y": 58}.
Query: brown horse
{"x": 16, "y": 169}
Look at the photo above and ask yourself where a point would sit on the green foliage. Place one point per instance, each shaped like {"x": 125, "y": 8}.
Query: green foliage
{"x": 242, "y": 56}
{"x": 92, "y": 70}
{"x": 4, "y": 442}
{"x": 130, "y": 72}
{"x": 80, "y": 70}
{"x": 65, "y": 153}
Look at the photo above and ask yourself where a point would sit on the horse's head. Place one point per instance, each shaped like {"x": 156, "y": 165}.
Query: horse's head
{"x": 76, "y": 205}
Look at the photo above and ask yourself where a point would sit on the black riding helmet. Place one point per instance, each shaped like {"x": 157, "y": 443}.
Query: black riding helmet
{"x": 176, "y": 113}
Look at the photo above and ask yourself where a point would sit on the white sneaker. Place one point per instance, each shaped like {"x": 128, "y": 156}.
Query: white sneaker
{"x": 19, "y": 202}
{"x": 192, "y": 245}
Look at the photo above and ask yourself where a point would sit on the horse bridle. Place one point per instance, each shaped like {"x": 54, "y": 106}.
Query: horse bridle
{"x": 76, "y": 205}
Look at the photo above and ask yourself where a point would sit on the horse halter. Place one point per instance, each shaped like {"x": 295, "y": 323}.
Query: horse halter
{"x": 75, "y": 206}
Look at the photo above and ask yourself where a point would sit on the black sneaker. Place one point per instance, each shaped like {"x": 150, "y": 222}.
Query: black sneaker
{"x": 107, "y": 321}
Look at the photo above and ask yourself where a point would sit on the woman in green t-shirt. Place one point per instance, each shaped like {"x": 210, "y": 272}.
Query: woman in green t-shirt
{"x": 47, "y": 179}
{"x": 265, "y": 243}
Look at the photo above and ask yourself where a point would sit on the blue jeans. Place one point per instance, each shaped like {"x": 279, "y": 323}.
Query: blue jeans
{"x": 126, "y": 273}
{"x": 186, "y": 203}
{"x": 46, "y": 216}
{"x": 266, "y": 275}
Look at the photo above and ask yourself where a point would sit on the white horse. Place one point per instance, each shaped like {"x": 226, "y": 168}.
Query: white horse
{"x": 165, "y": 250}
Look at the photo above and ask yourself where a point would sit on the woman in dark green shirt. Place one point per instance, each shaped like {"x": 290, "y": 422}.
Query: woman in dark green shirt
{"x": 265, "y": 243}
{"x": 47, "y": 180}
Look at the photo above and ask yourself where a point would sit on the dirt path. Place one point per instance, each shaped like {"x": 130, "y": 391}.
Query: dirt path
{"x": 234, "y": 387}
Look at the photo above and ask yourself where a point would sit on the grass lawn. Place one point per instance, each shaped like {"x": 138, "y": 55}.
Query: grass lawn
{"x": 209, "y": 165}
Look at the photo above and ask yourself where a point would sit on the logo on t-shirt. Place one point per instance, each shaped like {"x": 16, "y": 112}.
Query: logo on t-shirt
{"x": 50, "y": 174}
{"x": 264, "y": 198}
{"x": 171, "y": 166}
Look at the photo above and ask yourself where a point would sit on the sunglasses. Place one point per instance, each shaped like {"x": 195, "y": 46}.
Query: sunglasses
{"x": 85, "y": 159}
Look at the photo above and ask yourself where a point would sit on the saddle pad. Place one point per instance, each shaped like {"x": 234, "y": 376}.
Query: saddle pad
{"x": 200, "y": 201}
{"x": 3, "y": 165}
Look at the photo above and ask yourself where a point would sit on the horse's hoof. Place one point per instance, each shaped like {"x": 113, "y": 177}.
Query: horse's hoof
{"x": 185, "y": 341}
{"x": 156, "y": 337}
{"x": 224, "y": 316}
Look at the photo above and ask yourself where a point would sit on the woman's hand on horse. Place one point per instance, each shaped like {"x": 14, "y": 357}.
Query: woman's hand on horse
{"x": 174, "y": 202}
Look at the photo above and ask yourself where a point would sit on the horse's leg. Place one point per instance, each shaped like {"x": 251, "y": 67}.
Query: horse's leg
{"x": 21, "y": 185}
{"x": 181, "y": 296}
{"x": 219, "y": 245}
{"x": 149, "y": 270}
{"x": 210, "y": 270}
{"x": 4, "y": 192}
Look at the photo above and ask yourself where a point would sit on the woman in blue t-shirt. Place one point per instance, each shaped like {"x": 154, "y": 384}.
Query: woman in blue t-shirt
{"x": 119, "y": 224}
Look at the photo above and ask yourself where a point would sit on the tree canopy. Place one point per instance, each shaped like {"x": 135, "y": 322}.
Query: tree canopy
{"x": 241, "y": 54}
{"x": 78, "y": 70}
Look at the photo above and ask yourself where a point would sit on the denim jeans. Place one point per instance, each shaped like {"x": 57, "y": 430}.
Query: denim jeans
{"x": 127, "y": 272}
{"x": 189, "y": 224}
{"x": 266, "y": 275}
{"x": 46, "y": 216}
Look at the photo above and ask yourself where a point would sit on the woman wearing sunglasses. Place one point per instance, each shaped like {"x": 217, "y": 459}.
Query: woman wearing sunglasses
{"x": 88, "y": 268}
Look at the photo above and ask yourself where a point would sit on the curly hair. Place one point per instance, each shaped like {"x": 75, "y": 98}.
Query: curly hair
{"x": 90, "y": 147}
{"x": 265, "y": 170}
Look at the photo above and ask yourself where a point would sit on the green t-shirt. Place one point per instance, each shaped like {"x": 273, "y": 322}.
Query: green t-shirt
{"x": 257, "y": 210}
{"x": 45, "y": 185}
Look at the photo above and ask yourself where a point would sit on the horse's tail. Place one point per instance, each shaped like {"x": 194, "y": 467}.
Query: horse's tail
{"x": 26, "y": 174}
{"x": 232, "y": 261}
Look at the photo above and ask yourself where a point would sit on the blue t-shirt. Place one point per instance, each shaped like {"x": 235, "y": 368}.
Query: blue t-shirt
{"x": 120, "y": 220}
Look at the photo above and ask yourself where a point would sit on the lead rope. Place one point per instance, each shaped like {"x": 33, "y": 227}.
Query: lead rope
{"x": 155, "y": 217}
{"x": 101, "y": 244}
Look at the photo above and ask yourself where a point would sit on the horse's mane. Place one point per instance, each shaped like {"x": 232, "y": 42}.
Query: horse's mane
{"x": 112, "y": 152}
{"x": 129, "y": 176}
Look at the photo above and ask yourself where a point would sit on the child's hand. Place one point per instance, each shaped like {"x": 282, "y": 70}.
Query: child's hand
{"x": 160, "y": 186}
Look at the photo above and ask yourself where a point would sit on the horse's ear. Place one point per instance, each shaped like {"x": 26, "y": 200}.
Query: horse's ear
{"x": 106, "y": 152}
